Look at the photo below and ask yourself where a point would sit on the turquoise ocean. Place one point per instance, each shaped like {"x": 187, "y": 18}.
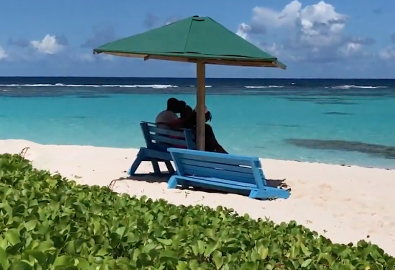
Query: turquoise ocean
{"x": 331, "y": 121}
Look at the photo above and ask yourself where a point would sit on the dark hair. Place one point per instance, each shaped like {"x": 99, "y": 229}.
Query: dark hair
{"x": 209, "y": 116}
{"x": 185, "y": 110}
{"x": 173, "y": 104}
{"x": 182, "y": 104}
{"x": 193, "y": 115}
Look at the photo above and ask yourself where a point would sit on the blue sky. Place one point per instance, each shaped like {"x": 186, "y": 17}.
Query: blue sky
{"x": 316, "y": 39}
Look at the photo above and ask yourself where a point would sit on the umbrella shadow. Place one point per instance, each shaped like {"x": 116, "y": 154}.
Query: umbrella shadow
{"x": 143, "y": 177}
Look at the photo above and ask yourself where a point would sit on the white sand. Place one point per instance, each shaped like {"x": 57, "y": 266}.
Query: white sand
{"x": 345, "y": 204}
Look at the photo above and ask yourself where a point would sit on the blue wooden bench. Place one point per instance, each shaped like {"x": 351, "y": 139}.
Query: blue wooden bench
{"x": 229, "y": 173}
{"x": 158, "y": 140}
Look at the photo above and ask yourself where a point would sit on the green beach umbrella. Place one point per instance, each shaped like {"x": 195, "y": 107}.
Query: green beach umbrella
{"x": 199, "y": 40}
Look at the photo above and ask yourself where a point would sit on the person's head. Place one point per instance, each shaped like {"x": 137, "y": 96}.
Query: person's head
{"x": 173, "y": 105}
{"x": 181, "y": 106}
{"x": 207, "y": 114}
{"x": 185, "y": 110}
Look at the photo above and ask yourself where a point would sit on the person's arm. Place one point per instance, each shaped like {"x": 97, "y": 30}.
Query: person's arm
{"x": 176, "y": 123}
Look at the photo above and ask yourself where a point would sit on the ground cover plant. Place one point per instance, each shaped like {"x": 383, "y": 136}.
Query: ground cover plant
{"x": 47, "y": 222}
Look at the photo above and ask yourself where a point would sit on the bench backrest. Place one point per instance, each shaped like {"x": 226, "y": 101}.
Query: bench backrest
{"x": 236, "y": 168}
{"x": 161, "y": 138}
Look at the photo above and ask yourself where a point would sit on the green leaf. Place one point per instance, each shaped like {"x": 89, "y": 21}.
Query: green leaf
{"x": 305, "y": 250}
{"x": 166, "y": 242}
{"x": 195, "y": 249}
{"x": 45, "y": 246}
{"x": 182, "y": 265}
{"x": 326, "y": 259}
{"x": 306, "y": 263}
{"x": 121, "y": 231}
{"x": 102, "y": 252}
{"x": 39, "y": 256}
{"x": 12, "y": 236}
{"x": 104, "y": 267}
{"x": 210, "y": 248}
{"x": 217, "y": 258}
{"x": 82, "y": 263}
{"x": 30, "y": 225}
{"x": 70, "y": 247}
{"x": 149, "y": 247}
{"x": 3, "y": 259}
{"x": 168, "y": 255}
{"x": 248, "y": 266}
{"x": 20, "y": 265}
{"x": 201, "y": 246}
{"x": 263, "y": 252}
{"x": 63, "y": 260}
{"x": 7, "y": 208}
{"x": 3, "y": 243}
{"x": 193, "y": 264}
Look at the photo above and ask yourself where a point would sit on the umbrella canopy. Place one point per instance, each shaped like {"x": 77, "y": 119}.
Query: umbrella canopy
{"x": 199, "y": 40}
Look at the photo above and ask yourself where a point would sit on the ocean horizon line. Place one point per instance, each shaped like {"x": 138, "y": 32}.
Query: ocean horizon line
{"x": 194, "y": 78}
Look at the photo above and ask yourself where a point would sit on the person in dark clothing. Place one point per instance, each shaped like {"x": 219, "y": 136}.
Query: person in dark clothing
{"x": 211, "y": 143}
{"x": 186, "y": 115}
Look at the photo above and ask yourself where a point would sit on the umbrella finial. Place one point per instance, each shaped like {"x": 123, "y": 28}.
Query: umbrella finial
{"x": 198, "y": 18}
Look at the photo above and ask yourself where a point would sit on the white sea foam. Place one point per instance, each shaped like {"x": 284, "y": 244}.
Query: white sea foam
{"x": 264, "y": 86}
{"x": 207, "y": 86}
{"x": 346, "y": 86}
{"x": 27, "y": 85}
{"x": 156, "y": 86}
{"x": 92, "y": 85}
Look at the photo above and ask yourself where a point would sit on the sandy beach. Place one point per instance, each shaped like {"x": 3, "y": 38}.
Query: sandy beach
{"x": 346, "y": 204}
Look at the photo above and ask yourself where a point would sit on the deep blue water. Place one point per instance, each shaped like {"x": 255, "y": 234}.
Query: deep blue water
{"x": 332, "y": 121}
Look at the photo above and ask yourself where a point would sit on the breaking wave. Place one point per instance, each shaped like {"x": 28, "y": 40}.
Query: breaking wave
{"x": 358, "y": 86}
{"x": 155, "y": 86}
{"x": 263, "y": 86}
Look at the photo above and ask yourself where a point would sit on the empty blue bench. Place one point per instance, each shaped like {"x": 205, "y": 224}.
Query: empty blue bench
{"x": 158, "y": 140}
{"x": 229, "y": 173}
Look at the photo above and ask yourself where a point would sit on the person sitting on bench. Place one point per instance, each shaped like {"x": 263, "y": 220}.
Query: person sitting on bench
{"x": 168, "y": 118}
{"x": 211, "y": 143}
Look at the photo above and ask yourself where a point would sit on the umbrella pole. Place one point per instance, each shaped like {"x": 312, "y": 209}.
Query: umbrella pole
{"x": 200, "y": 105}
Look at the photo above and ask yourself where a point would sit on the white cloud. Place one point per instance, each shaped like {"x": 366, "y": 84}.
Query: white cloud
{"x": 48, "y": 45}
{"x": 106, "y": 57}
{"x": 171, "y": 19}
{"x": 312, "y": 33}
{"x": 85, "y": 57}
{"x": 3, "y": 54}
{"x": 387, "y": 53}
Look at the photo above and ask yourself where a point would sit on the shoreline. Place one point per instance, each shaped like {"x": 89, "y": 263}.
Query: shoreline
{"x": 345, "y": 204}
{"x": 261, "y": 158}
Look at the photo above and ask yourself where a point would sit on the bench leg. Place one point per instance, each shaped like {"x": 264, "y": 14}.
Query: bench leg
{"x": 269, "y": 193}
{"x": 172, "y": 182}
{"x": 169, "y": 167}
{"x": 155, "y": 165}
{"x": 139, "y": 158}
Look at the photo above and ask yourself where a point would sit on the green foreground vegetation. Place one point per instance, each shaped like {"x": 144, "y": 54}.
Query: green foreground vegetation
{"x": 47, "y": 222}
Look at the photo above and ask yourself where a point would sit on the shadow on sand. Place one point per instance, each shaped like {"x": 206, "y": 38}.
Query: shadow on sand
{"x": 152, "y": 178}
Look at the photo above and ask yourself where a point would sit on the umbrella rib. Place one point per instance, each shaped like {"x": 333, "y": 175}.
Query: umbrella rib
{"x": 187, "y": 39}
